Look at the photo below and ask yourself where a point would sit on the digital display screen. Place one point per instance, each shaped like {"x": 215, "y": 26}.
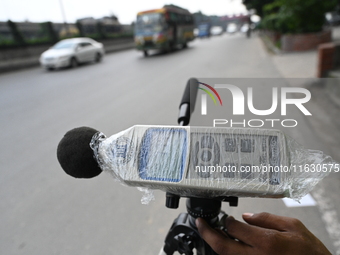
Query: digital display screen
{"x": 162, "y": 154}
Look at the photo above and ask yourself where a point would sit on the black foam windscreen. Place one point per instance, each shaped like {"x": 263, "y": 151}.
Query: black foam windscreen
{"x": 75, "y": 154}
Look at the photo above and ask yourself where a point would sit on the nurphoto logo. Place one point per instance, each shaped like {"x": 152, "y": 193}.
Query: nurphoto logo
{"x": 240, "y": 100}
{"x": 204, "y": 97}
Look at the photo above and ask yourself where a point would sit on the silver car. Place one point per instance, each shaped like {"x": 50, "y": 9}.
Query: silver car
{"x": 71, "y": 52}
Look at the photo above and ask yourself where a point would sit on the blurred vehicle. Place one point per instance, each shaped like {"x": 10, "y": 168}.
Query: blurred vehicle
{"x": 333, "y": 18}
{"x": 244, "y": 28}
{"x": 231, "y": 28}
{"x": 71, "y": 52}
{"x": 203, "y": 30}
{"x": 163, "y": 29}
{"x": 216, "y": 30}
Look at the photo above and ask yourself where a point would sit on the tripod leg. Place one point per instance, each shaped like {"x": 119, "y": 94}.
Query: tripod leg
{"x": 181, "y": 237}
{"x": 161, "y": 252}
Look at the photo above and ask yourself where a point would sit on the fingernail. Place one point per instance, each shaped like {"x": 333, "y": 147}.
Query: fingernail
{"x": 197, "y": 222}
{"x": 247, "y": 215}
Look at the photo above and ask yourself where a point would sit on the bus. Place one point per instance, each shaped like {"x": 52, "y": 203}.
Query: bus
{"x": 163, "y": 29}
{"x": 204, "y": 30}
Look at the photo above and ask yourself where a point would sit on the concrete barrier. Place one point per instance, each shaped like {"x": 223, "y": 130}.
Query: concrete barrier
{"x": 296, "y": 42}
{"x": 328, "y": 58}
{"x": 23, "y": 57}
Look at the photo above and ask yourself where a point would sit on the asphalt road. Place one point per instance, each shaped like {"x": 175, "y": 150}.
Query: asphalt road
{"x": 44, "y": 211}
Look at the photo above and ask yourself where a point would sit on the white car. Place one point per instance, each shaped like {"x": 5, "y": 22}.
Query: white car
{"x": 216, "y": 30}
{"x": 244, "y": 28}
{"x": 231, "y": 28}
{"x": 71, "y": 52}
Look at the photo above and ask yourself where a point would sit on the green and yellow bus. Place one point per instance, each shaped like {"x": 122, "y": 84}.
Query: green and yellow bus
{"x": 163, "y": 29}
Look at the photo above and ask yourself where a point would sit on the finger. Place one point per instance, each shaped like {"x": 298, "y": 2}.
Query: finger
{"x": 270, "y": 221}
{"x": 221, "y": 232}
{"x": 219, "y": 242}
{"x": 224, "y": 229}
{"x": 245, "y": 233}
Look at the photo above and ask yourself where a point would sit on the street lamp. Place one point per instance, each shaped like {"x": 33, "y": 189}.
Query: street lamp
{"x": 64, "y": 16}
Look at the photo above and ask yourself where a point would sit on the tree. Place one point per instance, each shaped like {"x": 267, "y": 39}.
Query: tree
{"x": 16, "y": 34}
{"x": 257, "y": 5}
{"x": 80, "y": 28}
{"x": 48, "y": 31}
{"x": 296, "y": 16}
{"x": 101, "y": 30}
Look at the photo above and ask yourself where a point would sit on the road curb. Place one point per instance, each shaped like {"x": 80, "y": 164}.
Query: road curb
{"x": 269, "y": 45}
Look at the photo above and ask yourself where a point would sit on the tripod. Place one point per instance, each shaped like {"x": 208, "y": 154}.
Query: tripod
{"x": 183, "y": 235}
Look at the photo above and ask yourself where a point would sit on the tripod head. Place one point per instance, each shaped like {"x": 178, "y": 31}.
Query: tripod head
{"x": 183, "y": 235}
{"x": 172, "y": 202}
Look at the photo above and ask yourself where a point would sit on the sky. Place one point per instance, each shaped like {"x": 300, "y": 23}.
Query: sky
{"x": 125, "y": 10}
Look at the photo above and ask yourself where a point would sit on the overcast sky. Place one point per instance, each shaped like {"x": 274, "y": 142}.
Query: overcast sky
{"x": 125, "y": 10}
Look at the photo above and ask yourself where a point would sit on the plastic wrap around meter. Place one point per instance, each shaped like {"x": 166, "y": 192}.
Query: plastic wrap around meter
{"x": 212, "y": 162}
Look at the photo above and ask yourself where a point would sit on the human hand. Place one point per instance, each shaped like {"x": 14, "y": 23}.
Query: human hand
{"x": 265, "y": 234}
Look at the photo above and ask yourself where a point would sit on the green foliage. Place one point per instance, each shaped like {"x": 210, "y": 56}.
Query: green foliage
{"x": 257, "y": 5}
{"x": 9, "y": 44}
{"x": 121, "y": 35}
{"x": 101, "y": 30}
{"x": 16, "y": 34}
{"x": 296, "y": 16}
{"x": 49, "y": 32}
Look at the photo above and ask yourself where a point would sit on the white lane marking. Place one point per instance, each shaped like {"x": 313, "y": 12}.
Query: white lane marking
{"x": 307, "y": 200}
